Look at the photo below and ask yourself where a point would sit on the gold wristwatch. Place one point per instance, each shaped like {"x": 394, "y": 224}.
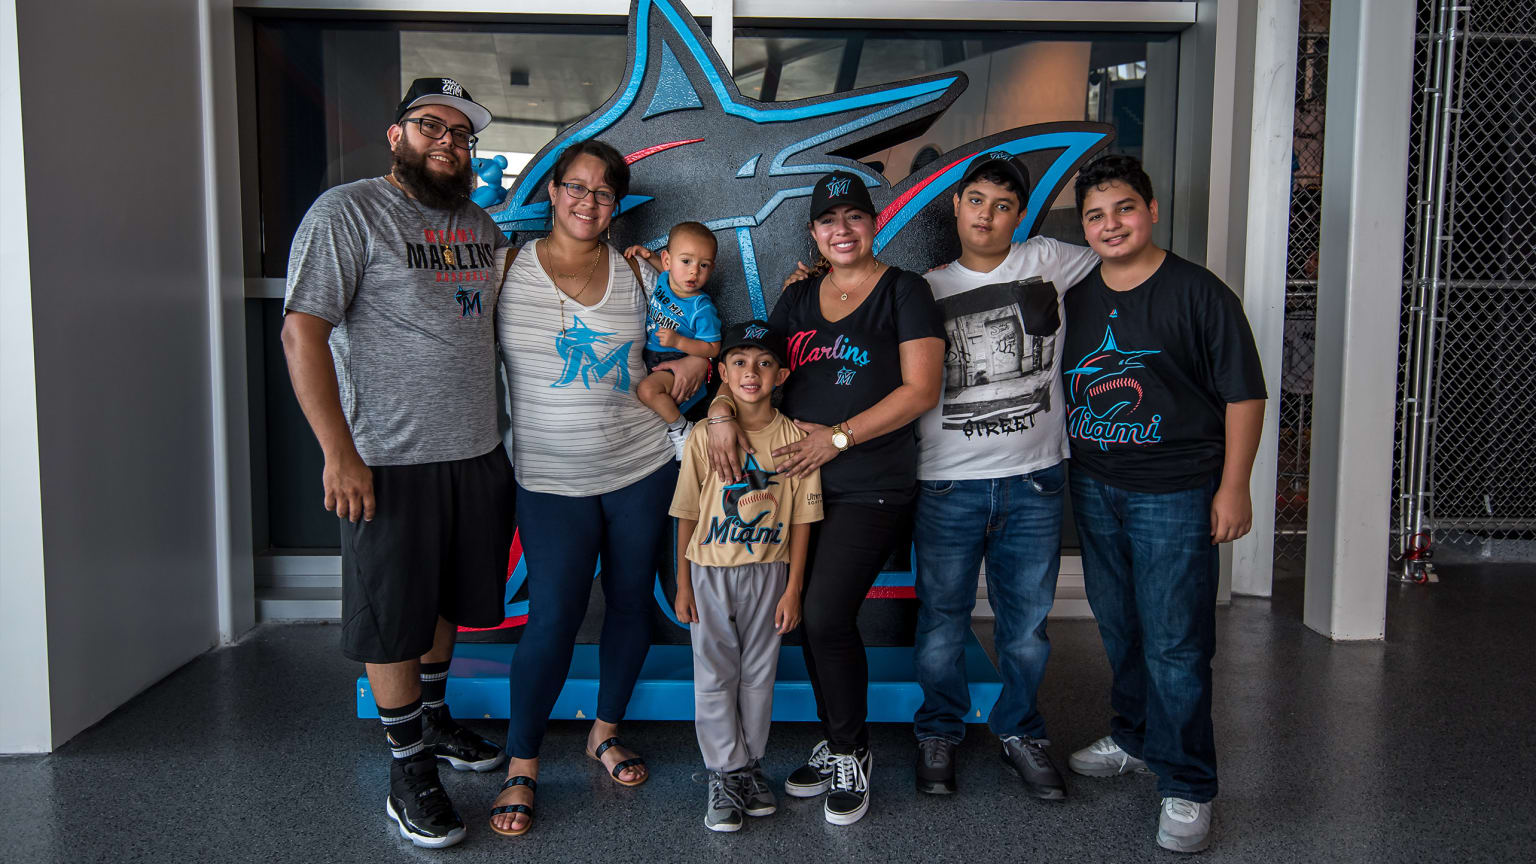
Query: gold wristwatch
{"x": 840, "y": 438}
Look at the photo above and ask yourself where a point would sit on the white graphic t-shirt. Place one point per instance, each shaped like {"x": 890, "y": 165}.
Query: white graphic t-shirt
{"x": 1001, "y": 410}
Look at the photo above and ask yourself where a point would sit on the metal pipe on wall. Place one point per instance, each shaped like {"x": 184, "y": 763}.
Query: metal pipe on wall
{"x": 1431, "y": 245}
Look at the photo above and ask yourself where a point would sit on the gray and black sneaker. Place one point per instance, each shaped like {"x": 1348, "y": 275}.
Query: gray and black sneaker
{"x": 1027, "y": 756}
{"x": 756, "y": 795}
{"x": 444, "y": 738}
{"x": 723, "y": 812}
{"x": 1104, "y": 758}
{"x": 848, "y": 799}
{"x": 936, "y": 766}
{"x": 812, "y": 778}
{"x": 1185, "y": 826}
{"x": 419, "y": 806}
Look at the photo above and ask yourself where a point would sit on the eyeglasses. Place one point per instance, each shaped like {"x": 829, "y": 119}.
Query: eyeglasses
{"x": 578, "y": 192}
{"x": 435, "y": 130}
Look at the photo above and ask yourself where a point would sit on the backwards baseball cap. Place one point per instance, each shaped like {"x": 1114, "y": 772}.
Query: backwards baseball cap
{"x": 444, "y": 91}
{"x": 1003, "y": 163}
{"x": 837, "y": 189}
{"x": 754, "y": 334}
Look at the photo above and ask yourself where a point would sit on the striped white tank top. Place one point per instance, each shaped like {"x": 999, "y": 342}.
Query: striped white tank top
{"x": 577, "y": 427}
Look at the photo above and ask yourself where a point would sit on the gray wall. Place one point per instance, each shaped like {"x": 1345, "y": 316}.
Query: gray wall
{"x": 115, "y": 204}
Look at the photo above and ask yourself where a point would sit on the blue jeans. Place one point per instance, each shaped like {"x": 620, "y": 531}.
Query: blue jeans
{"x": 1150, "y": 571}
{"x": 1015, "y": 524}
{"x": 563, "y": 538}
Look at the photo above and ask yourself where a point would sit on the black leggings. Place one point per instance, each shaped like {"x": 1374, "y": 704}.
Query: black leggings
{"x": 847, "y": 549}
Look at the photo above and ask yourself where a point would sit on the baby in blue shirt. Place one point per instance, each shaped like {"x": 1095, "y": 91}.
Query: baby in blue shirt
{"x": 680, "y": 318}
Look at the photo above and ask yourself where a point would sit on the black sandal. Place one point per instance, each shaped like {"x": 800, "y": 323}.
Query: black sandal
{"x": 619, "y": 768}
{"x": 526, "y": 809}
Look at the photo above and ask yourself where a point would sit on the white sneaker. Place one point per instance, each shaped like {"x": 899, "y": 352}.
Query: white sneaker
{"x": 1185, "y": 826}
{"x": 1104, "y": 758}
{"x": 679, "y": 438}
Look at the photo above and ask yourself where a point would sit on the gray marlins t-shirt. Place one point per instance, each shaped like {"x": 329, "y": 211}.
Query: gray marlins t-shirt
{"x": 414, "y": 338}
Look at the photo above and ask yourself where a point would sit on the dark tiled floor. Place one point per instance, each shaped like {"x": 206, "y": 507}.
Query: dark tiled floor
{"x": 1413, "y": 750}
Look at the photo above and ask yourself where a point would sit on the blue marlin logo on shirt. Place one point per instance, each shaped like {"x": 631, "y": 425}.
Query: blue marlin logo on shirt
{"x": 469, "y": 302}
{"x": 577, "y": 347}
{"x": 1105, "y": 386}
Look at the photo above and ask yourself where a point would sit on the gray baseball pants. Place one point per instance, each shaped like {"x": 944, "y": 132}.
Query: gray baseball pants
{"x": 735, "y": 658}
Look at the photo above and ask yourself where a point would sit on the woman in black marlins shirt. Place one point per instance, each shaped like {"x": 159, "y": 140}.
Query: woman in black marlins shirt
{"x": 866, "y": 350}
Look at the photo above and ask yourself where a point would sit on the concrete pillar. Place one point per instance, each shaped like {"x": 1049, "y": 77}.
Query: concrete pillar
{"x": 25, "y": 717}
{"x": 1360, "y": 286}
{"x": 1275, "y": 24}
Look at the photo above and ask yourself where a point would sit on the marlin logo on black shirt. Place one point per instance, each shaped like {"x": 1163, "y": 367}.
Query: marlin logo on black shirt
{"x": 1105, "y": 386}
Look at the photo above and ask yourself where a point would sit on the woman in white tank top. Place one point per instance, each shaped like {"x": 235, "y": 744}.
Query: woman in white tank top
{"x": 595, "y": 470}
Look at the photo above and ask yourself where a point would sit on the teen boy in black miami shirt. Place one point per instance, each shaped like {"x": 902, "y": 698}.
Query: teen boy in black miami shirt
{"x": 1165, "y": 403}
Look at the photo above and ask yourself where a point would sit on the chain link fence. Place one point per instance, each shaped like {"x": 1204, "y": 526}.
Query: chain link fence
{"x": 1466, "y": 439}
{"x": 1295, "y": 442}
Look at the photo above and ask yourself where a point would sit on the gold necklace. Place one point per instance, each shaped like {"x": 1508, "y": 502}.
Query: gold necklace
{"x": 443, "y": 249}
{"x": 843, "y": 295}
{"x": 561, "y": 295}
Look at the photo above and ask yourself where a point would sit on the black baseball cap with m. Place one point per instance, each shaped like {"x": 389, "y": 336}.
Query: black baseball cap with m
{"x": 444, "y": 91}
{"x": 838, "y": 189}
{"x": 754, "y": 334}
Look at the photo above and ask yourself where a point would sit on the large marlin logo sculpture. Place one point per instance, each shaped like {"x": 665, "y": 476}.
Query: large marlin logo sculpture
{"x": 701, "y": 151}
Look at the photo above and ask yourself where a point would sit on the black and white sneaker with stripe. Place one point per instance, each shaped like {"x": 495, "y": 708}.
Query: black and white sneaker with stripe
{"x": 444, "y": 738}
{"x": 419, "y": 806}
{"x": 814, "y": 777}
{"x": 848, "y": 799}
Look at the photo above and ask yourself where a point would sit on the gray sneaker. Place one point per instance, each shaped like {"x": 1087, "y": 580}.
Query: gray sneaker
{"x": 1185, "y": 826}
{"x": 724, "y": 810}
{"x": 1104, "y": 758}
{"x": 756, "y": 795}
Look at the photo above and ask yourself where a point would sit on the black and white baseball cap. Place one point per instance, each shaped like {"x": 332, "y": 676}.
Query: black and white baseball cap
{"x": 1004, "y": 163}
{"x": 444, "y": 91}
{"x": 837, "y": 189}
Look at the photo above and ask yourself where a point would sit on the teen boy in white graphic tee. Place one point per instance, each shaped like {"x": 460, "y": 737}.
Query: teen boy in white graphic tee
{"x": 990, "y": 474}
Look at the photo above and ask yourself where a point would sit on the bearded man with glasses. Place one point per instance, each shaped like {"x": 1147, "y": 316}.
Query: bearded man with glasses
{"x": 392, "y": 287}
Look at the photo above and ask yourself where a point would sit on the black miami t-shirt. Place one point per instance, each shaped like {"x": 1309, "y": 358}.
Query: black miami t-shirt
{"x": 1148, "y": 374}
{"x": 838, "y": 369}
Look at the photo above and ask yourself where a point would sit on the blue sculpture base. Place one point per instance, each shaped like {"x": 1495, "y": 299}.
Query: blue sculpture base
{"x": 477, "y": 685}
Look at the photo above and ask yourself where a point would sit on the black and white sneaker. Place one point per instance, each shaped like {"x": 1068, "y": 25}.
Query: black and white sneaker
{"x": 812, "y": 778}
{"x": 419, "y": 806}
{"x": 848, "y": 800}
{"x": 443, "y": 737}
{"x": 679, "y": 438}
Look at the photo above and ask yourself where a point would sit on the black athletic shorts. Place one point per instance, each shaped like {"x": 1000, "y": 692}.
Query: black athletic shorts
{"x": 437, "y": 546}
{"x": 655, "y": 358}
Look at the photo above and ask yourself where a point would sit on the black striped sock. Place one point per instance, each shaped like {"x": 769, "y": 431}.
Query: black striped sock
{"x": 434, "y": 684}
{"x": 402, "y": 728}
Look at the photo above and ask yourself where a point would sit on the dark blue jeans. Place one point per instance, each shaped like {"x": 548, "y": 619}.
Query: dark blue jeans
{"x": 1014, "y": 523}
{"x": 1150, "y": 572}
{"x": 562, "y": 539}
